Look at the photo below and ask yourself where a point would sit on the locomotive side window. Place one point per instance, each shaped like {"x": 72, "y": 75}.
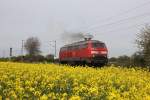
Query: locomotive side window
{"x": 82, "y": 46}
{"x": 98, "y": 45}
{"x": 63, "y": 49}
{"x": 75, "y": 47}
{"x": 70, "y": 48}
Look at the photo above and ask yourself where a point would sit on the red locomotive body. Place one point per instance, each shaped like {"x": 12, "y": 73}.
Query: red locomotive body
{"x": 91, "y": 52}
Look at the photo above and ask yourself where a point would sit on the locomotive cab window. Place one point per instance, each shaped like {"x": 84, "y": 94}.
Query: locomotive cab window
{"x": 98, "y": 45}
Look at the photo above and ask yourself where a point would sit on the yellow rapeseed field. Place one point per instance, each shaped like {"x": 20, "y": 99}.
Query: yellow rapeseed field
{"x": 61, "y": 82}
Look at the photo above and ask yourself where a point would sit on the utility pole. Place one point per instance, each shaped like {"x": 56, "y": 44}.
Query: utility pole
{"x": 10, "y": 54}
{"x": 54, "y": 47}
{"x": 22, "y": 48}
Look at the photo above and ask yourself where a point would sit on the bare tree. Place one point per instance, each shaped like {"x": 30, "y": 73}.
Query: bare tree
{"x": 143, "y": 42}
{"x": 32, "y": 46}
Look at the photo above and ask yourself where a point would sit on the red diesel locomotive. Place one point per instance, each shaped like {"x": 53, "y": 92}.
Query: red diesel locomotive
{"x": 90, "y": 52}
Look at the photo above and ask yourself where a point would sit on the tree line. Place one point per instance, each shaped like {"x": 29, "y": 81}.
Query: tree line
{"x": 139, "y": 58}
{"x": 32, "y": 47}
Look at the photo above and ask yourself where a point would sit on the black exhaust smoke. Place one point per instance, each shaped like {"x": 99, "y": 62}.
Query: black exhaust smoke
{"x": 70, "y": 37}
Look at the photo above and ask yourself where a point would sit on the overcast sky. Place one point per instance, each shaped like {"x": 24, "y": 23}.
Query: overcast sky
{"x": 113, "y": 21}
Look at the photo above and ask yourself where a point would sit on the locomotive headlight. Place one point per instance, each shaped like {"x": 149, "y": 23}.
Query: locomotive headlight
{"x": 93, "y": 56}
{"x": 94, "y": 52}
{"x": 103, "y": 52}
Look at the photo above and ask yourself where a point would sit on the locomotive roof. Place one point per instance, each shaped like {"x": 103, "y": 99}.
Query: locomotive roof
{"x": 82, "y": 42}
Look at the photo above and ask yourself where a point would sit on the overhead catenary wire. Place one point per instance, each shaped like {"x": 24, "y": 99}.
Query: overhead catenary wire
{"x": 122, "y": 20}
{"x": 122, "y": 13}
{"x": 129, "y": 10}
{"x": 122, "y": 29}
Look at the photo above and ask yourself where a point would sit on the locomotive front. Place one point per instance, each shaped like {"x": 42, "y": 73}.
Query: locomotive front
{"x": 99, "y": 53}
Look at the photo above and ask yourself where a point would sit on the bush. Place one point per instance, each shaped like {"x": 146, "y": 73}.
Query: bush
{"x": 28, "y": 58}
